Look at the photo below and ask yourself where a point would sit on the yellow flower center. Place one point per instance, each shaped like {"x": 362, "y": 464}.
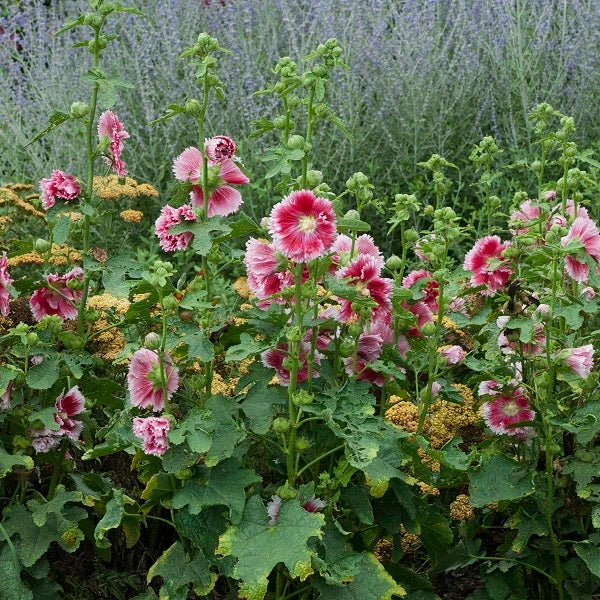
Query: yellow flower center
{"x": 362, "y": 289}
{"x": 510, "y": 408}
{"x": 307, "y": 224}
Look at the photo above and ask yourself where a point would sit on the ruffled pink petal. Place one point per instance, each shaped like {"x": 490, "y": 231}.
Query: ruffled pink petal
{"x": 224, "y": 201}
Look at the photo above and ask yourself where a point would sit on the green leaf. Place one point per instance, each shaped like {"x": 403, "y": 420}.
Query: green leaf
{"x": 590, "y": 554}
{"x": 10, "y": 576}
{"x": 260, "y": 404}
{"x": 157, "y": 489}
{"x": 40, "y": 511}
{"x": 202, "y": 529}
{"x": 227, "y": 431}
{"x": 282, "y": 159}
{"x": 242, "y": 227}
{"x": 259, "y": 547}
{"x": 500, "y": 478}
{"x": 7, "y": 374}
{"x": 344, "y": 224}
{"x": 224, "y": 484}
{"x": 372, "y": 582}
{"x": 101, "y": 391}
{"x": 115, "y": 512}
{"x": 248, "y": 346}
{"x": 44, "y": 375}
{"x": 583, "y": 474}
{"x": 45, "y": 416}
{"x": 358, "y": 499}
{"x": 115, "y": 271}
{"x": 178, "y": 571}
{"x": 70, "y": 24}
{"x": 55, "y": 119}
{"x": 195, "y": 429}
{"x": 172, "y": 110}
{"x": 8, "y": 461}
{"x": 60, "y": 231}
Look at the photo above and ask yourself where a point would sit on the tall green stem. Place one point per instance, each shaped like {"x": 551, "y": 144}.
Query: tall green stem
{"x": 309, "y": 127}
{"x": 161, "y": 356}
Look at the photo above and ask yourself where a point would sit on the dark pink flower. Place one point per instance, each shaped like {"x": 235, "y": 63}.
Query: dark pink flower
{"x": 585, "y": 231}
{"x": 580, "y": 359}
{"x": 273, "y": 508}
{"x": 303, "y": 226}
{"x": 5, "y": 397}
{"x": 364, "y": 273}
{"x": 169, "y": 217}
{"x": 223, "y": 200}
{"x": 61, "y": 185}
{"x": 274, "y": 357}
{"x": 5, "y": 281}
{"x": 430, "y": 289}
{"x": 364, "y": 244}
{"x": 109, "y": 125}
{"x": 453, "y": 354}
{"x": 145, "y": 382}
{"x": 263, "y": 272}
{"x": 153, "y": 433}
{"x": 219, "y": 148}
{"x": 486, "y": 263}
{"x": 56, "y": 298}
{"x": 423, "y": 314}
{"x": 314, "y": 504}
{"x": 68, "y": 405}
{"x": 504, "y": 411}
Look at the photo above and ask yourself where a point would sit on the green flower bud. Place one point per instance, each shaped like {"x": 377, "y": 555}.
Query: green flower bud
{"x": 288, "y": 363}
{"x": 314, "y": 178}
{"x": 355, "y": 330}
{"x": 170, "y": 303}
{"x": 295, "y": 142}
{"x": 302, "y": 444}
{"x": 286, "y": 492}
{"x": 294, "y": 334}
{"x": 279, "y": 122}
{"x": 193, "y": 107}
{"x": 42, "y": 245}
{"x": 347, "y": 347}
{"x": 428, "y": 210}
{"x": 32, "y": 338}
{"x": 428, "y": 328}
{"x": 393, "y": 263}
{"x": 352, "y": 214}
{"x": 410, "y": 236}
{"x": 106, "y": 8}
{"x": 536, "y": 166}
{"x": 152, "y": 341}
{"x": 302, "y": 398}
{"x": 320, "y": 70}
{"x": 70, "y": 537}
{"x": 75, "y": 284}
{"x": 21, "y": 329}
{"x": 280, "y": 425}
{"x": 79, "y": 110}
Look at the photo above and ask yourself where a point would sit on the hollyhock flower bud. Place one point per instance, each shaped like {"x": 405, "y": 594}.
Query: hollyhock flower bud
{"x": 153, "y": 433}
{"x": 580, "y": 359}
{"x": 79, "y": 110}
{"x": 280, "y": 425}
{"x": 588, "y": 293}
{"x": 393, "y": 263}
{"x": 219, "y": 148}
{"x": 273, "y": 508}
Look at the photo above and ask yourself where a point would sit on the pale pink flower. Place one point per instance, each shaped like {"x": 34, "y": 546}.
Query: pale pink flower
{"x": 61, "y": 185}
{"x": 458, "y": 305}
{"x": 453, "y": 355}
{"x": 68, "y": 405}
{"x": 504, "y": 411}
{"x": 273, "y": 508}
{"x": 588, "y": 292}
{"x": 56, "y": 298}
{"x": 219, "y": 148}
{"x": 430, "y": 289}
{"x": 585, "y": 231}
{"x": 580, "y": 359}
{"x": 153, "y": 433}
{"x": 303, "y": 226}
{"x": 109, "y": 125}
{"x": 5, "y": 397}
{"x": 489, "y": 388}
{"x": 364, "y": 244}
{"x": 314, "y": 504}
{"x": 223, "y": 200}
{"x": 486, "y": 263}
{"x": 45, "y": 439}
{"x": 436, "y": 388}
{"x": 144, "y": 379}
{"x": 364, "y": 273}
{"x": 5, "y": 281}
{"x": 526, "y": 213}
{"x": 169, "y": 217}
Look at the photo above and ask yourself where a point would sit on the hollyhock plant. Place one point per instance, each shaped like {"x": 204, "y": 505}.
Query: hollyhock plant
{"x": 303, "y": 226}
{"x": 430, "y": 289}
{"x": 585, "y": 231}
{"x": 153, "y": 432}
{"x": 5, "y": 281}
{"x": 580, "y": 359}
{"x": 502, "y": 412}
{"x": 60, "y": 185}
{"x": 57, "y": 298}
{"x": 169, "y": 217}
{"x": 223, "y": 200}
{"x": 68, "y": 405}
{"x": 364, "y": 273}
{"x": 144, "y": 379}
{"x": 219, "y": 148}
{"x": 536, "y": 346}
{"x": 314, "y": 504}
{"x": 364, "y": 244}
{"x": 110, "y": 126}
{"x": 423, "y": 314}
{"x": 487, "y": 264}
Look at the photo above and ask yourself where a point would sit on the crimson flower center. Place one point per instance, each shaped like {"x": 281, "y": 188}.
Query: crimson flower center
{"x": 307, "y": 224}
{"x": 510, "y": 408}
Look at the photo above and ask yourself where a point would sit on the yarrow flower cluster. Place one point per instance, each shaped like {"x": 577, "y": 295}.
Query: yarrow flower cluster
{"x": 57, "y": 297}
{"x": 60, "y": 185}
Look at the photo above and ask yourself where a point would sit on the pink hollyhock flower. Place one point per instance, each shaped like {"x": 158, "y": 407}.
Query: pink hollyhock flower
{"x": 588, "y": 292}
{"x": 585, "y": 231}
{"x": 504, "y": 411}
{"x": 145, "y": 382}
{"x": 56, "y": 298}
{"x": 274, "y": 357}
{"x": 436, "y": 388}
{"x": 489, "y": 388}
{"x": 453, "y": 355}
{"x": 302, "y": 226}
{"x": 430, "y": 289}
{"x": 169, "y": 217}
{"x": 60, "y": 185}
{"x": 68, "y": 405}
{"x": 263, "y": 273}
{"x": 423, "y": 314}
{"x": 458, "y": 305}
{"x": 223, "y": 200}
{"x": 219, "y": 148}
{"x": 580, "y": 359}
{"x": 364, "y": 273}
{"x": 273, "y": 508}
{"x": 153, "y": 433}
{"x": 45, "y": 439}
{"x": 5, "y": 398}
{"x": 314, "y": 504}
{"x": 364, "y": 244}
{"x": 536, "y": 346}
{"x": 486, "y": 263}
{"x": 5, "y": 281}
{"x": 526, "y": 213}
{"x": 109, "y": 125}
